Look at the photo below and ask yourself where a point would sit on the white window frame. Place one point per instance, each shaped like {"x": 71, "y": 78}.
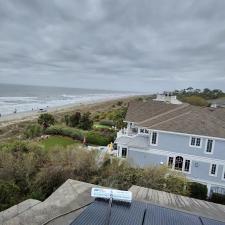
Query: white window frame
{"x": 222, "y": 178}
{"x": 213, "y": 144}
{"x": 195, "y": 146}
{"x": 210, "y": 169}
{"x": 157, "y": 138}
{"x": 122, "y": 150}
{"x": 183, "y": 166}
{"x": 188, "y": 172}
{"x": 168, "y": 161}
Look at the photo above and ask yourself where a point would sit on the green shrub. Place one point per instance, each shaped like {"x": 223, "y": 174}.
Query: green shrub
{"x": 32, "y": 131}
{"x": 117, "y": 174}
{"x": 46, "y": 120}
{"x": 19, "y": 146}
{"x": 107, "y": 123}
{"x": 218, "y": 198}
{"x": 9, "y": 193}
{"x": 197, "y": 190}
{"x": 73, "y": 120}
{"x": 119, "y": 103}
{"x": 85, "y": 122}
{"x": 96, "y": 138}
{"x": 65, "y": 131}
{"x": 196, "y": 100}
{"x": 102, "y": 137}
{"x": 54, "y": 130}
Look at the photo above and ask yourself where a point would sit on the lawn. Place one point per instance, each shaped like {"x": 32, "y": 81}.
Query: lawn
{"x": 57, "y": 141}
{"x": 97, "y": 125}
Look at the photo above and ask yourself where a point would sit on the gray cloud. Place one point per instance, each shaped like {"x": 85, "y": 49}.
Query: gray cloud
{"x": 132, "y": 45}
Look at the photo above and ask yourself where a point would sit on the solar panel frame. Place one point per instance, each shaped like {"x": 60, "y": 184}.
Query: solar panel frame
{"x": 207, "y": 221}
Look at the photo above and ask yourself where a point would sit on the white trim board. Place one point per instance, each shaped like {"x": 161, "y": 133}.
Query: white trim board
{"x": 223, "y": 173}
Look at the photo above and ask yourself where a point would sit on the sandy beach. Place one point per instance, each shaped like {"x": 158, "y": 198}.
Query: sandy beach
{"x": 15, "y": 118}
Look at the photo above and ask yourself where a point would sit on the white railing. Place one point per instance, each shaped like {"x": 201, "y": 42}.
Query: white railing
{"x": 126, "y": 132}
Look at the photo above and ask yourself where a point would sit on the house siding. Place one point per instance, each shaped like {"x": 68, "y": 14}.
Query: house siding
{"x": 142, "y": 159}
{"x": 172, "y": 144}
{"x": 180, "y": 144}
{"x": 202, "y": 172}
{"x": 198, "y": 170}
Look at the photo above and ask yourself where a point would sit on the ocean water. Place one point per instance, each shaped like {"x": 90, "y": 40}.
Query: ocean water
{"x": 28, "y": 98}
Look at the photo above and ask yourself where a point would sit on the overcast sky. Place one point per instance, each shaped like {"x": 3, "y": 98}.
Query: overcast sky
{"x": 136, "y": 45}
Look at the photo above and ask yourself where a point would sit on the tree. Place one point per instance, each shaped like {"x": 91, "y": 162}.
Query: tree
{"x": 85, "y": 121}
{"x": 74, "y": 120}
{"x": 46, "y": 120}
{"x": 190, "y": 89}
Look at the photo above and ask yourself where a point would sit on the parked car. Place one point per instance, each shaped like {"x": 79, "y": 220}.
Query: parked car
{"x": 42, "y": 110}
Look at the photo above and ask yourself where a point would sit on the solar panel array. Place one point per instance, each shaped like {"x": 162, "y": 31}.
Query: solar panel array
{"x": 138, "y": 213}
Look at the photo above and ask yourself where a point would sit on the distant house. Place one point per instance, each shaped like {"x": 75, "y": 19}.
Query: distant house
{"x": 217, "y": 103}
{"x": 186, "y": 138}
{"x": 168, "y": 98}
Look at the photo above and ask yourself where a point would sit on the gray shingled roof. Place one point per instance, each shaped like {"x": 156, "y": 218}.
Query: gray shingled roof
{"x": 178, "y": 118}
{"x": 182, "y": 203}
{"x": 139, "y": 111}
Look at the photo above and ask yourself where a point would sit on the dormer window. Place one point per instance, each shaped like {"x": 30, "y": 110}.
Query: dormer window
{"x": 195, "y": 142}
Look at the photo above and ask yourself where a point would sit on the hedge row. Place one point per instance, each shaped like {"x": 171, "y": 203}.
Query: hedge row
{"x": 92, "y": 137}
{"x": 65, "y": 131}
{"x": 109, "y": 123}
{"x": 97, "y": 138}
{"x": 218, "y": 198}
{"x": 198, "y": 190}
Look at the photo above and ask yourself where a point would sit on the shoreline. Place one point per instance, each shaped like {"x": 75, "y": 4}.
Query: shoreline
{"x": 10, "y": 119}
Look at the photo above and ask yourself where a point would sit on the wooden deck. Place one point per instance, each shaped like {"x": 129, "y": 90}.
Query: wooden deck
{"x": 194, "y": 206}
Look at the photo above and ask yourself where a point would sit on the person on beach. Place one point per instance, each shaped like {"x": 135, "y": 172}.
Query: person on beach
{"x": 15, "y": 111}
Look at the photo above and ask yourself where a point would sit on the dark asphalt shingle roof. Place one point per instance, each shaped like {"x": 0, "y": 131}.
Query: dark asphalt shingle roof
{"x": 178, "y": 118}
{"x": 138, "y": 213}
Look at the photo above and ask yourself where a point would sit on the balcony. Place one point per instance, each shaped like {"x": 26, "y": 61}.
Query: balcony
{"x": 127, "y": 132}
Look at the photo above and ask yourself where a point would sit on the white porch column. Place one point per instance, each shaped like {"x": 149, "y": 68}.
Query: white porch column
{"x": 209, "y": 189}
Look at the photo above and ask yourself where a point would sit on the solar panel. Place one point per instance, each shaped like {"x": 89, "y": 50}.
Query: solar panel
{"x": 156, "y": 215}
{"x": 138, "y": 213}
{"x": 207, "y": 221}
{"x": 121, "y": 214}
